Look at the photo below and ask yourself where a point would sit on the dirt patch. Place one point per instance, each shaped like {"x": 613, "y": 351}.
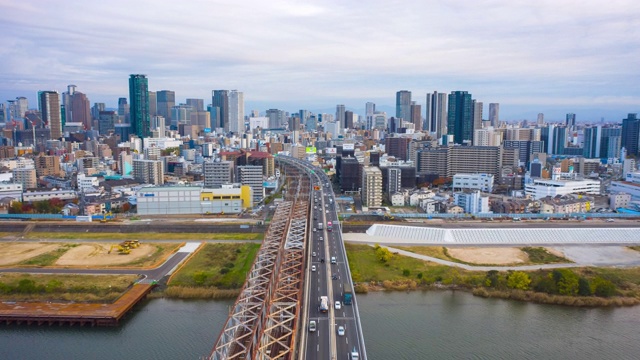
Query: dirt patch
{"x": 13, "y": 253}
{"x": 556, "y": 252}
{"x": 489, "y": 255}
{"x": 98, "y": 255}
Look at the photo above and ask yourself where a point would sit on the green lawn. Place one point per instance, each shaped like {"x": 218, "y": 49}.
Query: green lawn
{"x": 223, "y": 266}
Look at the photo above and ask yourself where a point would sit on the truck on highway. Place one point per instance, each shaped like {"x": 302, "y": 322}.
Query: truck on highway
{"x": 324, "y": 303}
{"x": 348, "y": 293}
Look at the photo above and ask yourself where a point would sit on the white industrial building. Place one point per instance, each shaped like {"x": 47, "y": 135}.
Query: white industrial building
{"x": 541, "y": 188}
{"x": 171, "y": 200}
{"x": 482, "y": 182}
{"x": 472, "y": 202}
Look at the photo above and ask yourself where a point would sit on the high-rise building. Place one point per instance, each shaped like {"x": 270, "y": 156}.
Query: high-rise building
{"x": 80, "y": 110}
{"x": 403, "y": 105}
{"x": 371, "y": 186}
{"x": 22, "y": 105}
{"x": 592, "y": 141}
{"x": 370, "y": 108}
{"x": 4, "y": 114}
{"x": 436, "y": 114}
{"x": 47, "y": 165}
{"x": 348, "y": 120}
{"x": 397, "y": 147}
{"x": 394, "y": 180}
{"x": 571, "y": 121}
{"x": 196, "y": 104}
{"x": 277, "y": 118}
{"x": 96, "y": 108}
{"x": 26, "y": 177}
{"x": 107, "y": 121}
{"x": 148, "y": 171}
{"x": 123, "y": 109}
{"x": 477, "y": 115}
{"x": 460, "y": 117}
{"x": 379, "y": 120}
{"x": 630, "y": 134}
{"x": 340, "y": 114}
{"x": 416, "y": 115}
{"x": 251, "y": 175}
{"x": 153, "y": 103}
{"x": 494, "y": 114}
{"x": 158, "y": 124}
{"x": 540, "y": 120}
{"x": 217, "y": 173}
{"x": 166, "y": 100}
{"x": 49, "y": 102}
{"x": 139, "y": 111}
{"x": 220, "y": 109}
{"x": 610, "y": 142}
{"x": 236, "y": 112}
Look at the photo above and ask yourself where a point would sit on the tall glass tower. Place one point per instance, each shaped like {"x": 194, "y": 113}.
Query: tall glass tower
{"x": 139, "y": 105}
{"x": 460, "y": 116}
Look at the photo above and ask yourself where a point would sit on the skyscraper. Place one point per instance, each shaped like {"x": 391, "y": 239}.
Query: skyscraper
{"x": 139, "y": 110}
{"x": 220, "y": 109}
{"x": 196, "y": 104}
{"x": 592, "y": 141}
{"x": 494, "y": 114}
{"x": 236, "y": 112}
{"x": 348, "y": 120}
{"x": 153, "y": 103}
{"x": 403, "y": 105}
{"x": 540, "y": 120}
{"x": 571, "y": 121}
{"x": 630, "y": 134}
{"x": 340, "y": 109}
{"x": 166, "y": 100}
{"x": 477, "y": 116}
{"x": 22, "y": 105}
{"x": 123, "y": 109}
{"x": 276, "y": 117}
{"x": 460, "y": 116}
{"x": 80, "y": 109}
{"x": 49, "y": 102}
{"x": 416, "y": 115}
{"x": 437, "y": 113}
{"x": 370, "y": 109}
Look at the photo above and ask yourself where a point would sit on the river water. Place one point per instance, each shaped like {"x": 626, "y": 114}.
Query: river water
{"x": 417, "y": 325}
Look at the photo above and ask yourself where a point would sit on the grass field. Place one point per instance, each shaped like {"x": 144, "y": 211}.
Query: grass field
{"x": 58, "y": 287}
{"x": 537, "y": 255}
{"x": 144, "y": 236}
{"x": 366, "y": 267}
{"x": 223, "y": 266}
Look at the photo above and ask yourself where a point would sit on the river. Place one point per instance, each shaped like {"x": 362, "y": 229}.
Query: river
{"x": 417, "y": 325}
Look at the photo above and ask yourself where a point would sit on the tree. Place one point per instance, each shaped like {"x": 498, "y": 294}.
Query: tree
{"x": 492, "y": 278}
{"x": 567, "y": 282}
{"x": 602, "y": 287}
{"x": 16, "y": 208}
{"x": 518, "y": 280}
{"x": 383, "y": 254}
{"x": 584, "y": 289}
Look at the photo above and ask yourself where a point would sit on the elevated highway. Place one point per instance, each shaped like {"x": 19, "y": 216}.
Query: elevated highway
{"x": 294, "y": 268}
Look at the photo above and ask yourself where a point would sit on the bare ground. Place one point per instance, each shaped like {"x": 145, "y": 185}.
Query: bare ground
{"x": 13, "y": 253}
{"x": 489, "y": 255}
{"x": 97, "y": 255}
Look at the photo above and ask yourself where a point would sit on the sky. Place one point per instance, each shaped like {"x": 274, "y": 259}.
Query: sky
{"x": 554, "y": 57}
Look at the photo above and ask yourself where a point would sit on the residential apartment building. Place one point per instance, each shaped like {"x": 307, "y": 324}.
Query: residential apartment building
{"x": 371, "y": 186}
{"x": 148, "y": 171}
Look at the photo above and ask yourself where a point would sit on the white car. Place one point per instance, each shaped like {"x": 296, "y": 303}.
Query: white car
{"x": 326, "y": 211}
{"x": 313, "y": 268}
{"x": 338, "y": 305}
{"x": 341, "y": 330}
{"x": 313, "y": 254}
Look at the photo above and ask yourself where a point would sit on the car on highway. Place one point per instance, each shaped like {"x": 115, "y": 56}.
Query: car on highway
{"x": 610, "y": 220}
{"x": 312, "y": 325}
{"x": 326, "y": 211}
{"x": 353, "y": 355}
{"x": 313, "y": 254}
{"x": 313, "y": 268}
{"x": 338, "y": 306}
{"x": 341, "y": 330}
{"x": 333, "y": 259}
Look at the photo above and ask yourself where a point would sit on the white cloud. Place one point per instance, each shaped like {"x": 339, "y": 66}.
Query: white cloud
{"x": 307, "y": 50}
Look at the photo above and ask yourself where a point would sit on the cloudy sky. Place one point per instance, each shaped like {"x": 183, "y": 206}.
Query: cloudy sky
{"x": 551, "y": 56}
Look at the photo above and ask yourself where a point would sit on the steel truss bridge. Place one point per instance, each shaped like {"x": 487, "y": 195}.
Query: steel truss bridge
{"x": 265, "y": 320}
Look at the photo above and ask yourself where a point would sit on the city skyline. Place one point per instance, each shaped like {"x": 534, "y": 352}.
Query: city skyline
{"x": 547, "y": 58}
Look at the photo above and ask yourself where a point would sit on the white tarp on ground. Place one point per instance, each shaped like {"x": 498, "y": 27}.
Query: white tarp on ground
{"x": 398, "y": 234}
{"x": 189, "y": 247}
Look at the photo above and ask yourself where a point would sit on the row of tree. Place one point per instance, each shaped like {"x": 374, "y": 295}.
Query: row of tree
{"x": 558, "y": 281}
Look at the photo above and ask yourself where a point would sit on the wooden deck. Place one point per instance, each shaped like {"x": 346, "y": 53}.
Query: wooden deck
{"x": 73, "y": 313}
